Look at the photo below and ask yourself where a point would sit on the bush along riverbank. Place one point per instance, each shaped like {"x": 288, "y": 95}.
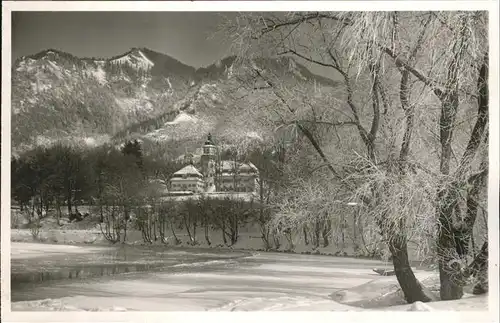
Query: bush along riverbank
{"x": 248, "y": 241}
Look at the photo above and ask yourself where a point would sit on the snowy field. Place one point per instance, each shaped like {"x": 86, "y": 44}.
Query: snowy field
{"x": 209, "y": 280}
{"x": 39, "y": 250}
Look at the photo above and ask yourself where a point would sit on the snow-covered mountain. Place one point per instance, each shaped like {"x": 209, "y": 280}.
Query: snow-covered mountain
{"x": 134, "y": 58}
{"x": 58, "y": 96}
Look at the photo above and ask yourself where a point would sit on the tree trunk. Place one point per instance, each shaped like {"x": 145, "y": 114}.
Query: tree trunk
{"x": 304, "y": 231}
{"x": 101, "y": 214}
{"x": 465, "y": 234}
{"x": 317, "y": 232}
{"x": 224, "y": 232}
{"x": 289, "y": 238}
{"x": 125, "y": 223}
{"x": 264, "y": 230}
{"x": 150, "y": 225}
{"x": 234, "y": 230}
{"x": 177, "y": 241}
{"x": 207, "y": 237}
{"x": 327, "y": 227}
{"x": 194, "y": 233}
{"x": 410, "y": 286}
{"x": 276, "y": 239}
{"x": 58, "y": 211}
{"x": 355, "y": 232}
{"x": 473, "y": 245}
{"x": 342, "y": 232}
{"x": 70, "y": 206}
{"x": 450, "y": 288}
{"x": 186, "y": 224}
{"x": 76, "y": 206}
{"x": 40, "y": 207}
{"x": 449, "y": 267}
{"x": 32, "y": 214}
{"x": 155, "y": 231}
{"x": 46, "y": 207}
{"x": 479, "y": 269}
{"x": 450, "y": 239}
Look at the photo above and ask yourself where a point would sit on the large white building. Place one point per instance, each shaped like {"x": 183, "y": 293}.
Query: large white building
{"x": 215, "y": 175}
{"x": 187, "y": 179}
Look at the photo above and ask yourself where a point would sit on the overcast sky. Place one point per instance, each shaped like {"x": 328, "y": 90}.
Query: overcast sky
{"x": 106, "y": 34}
{"x": 189, "y": 37}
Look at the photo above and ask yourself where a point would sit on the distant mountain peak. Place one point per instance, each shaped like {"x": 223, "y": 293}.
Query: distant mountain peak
{"x": 46, "y": 52}
{"x": 136, "y": 58}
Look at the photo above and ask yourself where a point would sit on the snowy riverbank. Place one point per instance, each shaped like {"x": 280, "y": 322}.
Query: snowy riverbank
{"x": 269, "y": 282}
{"x": 36, "y": 250}
{"x": 249, "y": 240}
{"x": 88, "y": 232}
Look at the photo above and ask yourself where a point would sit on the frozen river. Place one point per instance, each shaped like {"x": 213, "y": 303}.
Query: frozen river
{"x": 166, "y": 279}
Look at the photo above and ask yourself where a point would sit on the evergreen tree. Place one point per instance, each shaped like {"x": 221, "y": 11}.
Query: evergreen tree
{"x": 24, "y": 185}
{"x": 133, "y": 148}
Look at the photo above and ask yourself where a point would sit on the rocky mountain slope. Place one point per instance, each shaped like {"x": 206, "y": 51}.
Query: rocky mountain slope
{"x": 144, "y": 94}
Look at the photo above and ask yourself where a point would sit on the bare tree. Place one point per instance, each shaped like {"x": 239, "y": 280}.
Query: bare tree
{"x": 190, "y": 216}
{"x": 206, "y": 209}
{"x": 168, "y": 218}
{"x": 384, "y": 53}
{"x": 459, "y": 80}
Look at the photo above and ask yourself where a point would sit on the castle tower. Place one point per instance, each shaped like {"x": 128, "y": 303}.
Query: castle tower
{"x": 207, "y": 161}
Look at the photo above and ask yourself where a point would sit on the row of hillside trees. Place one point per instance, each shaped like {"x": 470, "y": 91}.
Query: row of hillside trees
{"x": 404, "y": 134}
{"x": 62, "y": 176}
{"x": 160, "y": 220}
{"x": 121, "y": 188}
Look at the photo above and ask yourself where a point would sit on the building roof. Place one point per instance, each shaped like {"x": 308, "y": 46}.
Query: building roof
{"x": 249, "y": 166}
{"x": 189, "y": 170}
{"x": 157, "y": 181}
{"x": 228, "y": 166}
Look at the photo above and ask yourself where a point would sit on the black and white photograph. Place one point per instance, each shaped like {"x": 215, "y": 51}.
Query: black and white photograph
{"x": 250, "y": 160}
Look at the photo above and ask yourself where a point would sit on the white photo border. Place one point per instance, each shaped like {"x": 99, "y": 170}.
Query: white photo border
{"x": 214, "y": 6}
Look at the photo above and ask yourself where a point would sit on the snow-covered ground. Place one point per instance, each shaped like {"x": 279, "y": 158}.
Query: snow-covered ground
{"x": 38, "y": 250}
{"x": 183, "y": 118}
{"x": 135, "y": 58}
{"x": 248, "y": 282}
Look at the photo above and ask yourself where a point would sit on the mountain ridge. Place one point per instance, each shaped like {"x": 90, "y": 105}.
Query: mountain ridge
{"x": 202, "y": 69}
{"x": 43, "y": 52}
{"x": 57, "y": 95}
